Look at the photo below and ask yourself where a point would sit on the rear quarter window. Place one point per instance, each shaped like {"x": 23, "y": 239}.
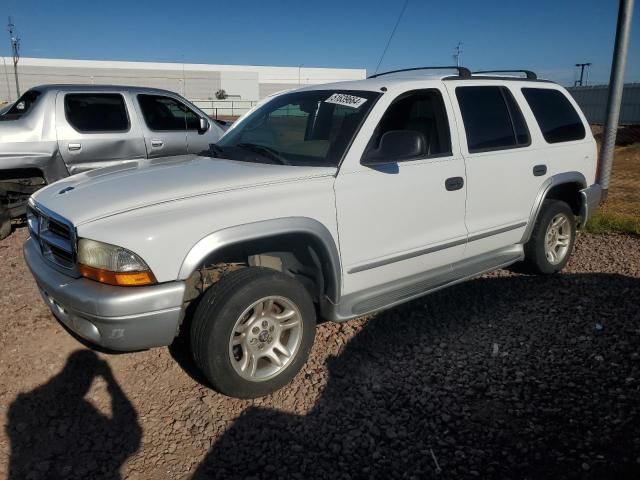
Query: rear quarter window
{"x": 558, "y": 120}
{"x": 23, "y": 105}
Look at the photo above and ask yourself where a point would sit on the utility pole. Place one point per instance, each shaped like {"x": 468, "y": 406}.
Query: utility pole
{"x": 15, "y": 51}
{"x": 582, "y": 66}
{"x": 616, "y": 85}
{"x": 458, "y": 55}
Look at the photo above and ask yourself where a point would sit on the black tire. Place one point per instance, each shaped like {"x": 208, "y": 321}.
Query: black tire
{"x": 216, "y": 316}
{"x": 536, "y": 260}
{"x": 5, "y": 223}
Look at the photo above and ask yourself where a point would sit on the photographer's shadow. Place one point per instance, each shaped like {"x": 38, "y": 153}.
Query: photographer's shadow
{"x": 55, "y": 432}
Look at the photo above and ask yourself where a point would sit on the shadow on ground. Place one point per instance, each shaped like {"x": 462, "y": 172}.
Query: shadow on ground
{"x": 56, "y": 433}
{"x": 519, "y": 377}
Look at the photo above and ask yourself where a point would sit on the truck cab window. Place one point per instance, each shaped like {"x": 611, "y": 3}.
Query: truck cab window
{"x": 96, "y": 112}
{"x": 167, "y": 114}
{"x": 23, "y": 105}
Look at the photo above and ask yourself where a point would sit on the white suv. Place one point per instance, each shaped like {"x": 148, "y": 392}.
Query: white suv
{"x": 330, "y": 201}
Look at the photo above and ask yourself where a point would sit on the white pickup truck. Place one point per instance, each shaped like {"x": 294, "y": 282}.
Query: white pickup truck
{"x": 330, "y": 201}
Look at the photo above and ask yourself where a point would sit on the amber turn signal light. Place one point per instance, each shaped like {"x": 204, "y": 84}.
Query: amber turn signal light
{"x": 121, "y": 279}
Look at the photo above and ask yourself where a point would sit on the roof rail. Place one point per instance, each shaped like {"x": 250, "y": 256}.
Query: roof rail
{"x": 462, "y": 71}
{"x": 530, "y": 75}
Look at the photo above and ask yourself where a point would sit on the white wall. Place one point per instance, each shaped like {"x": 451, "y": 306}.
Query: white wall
{"x": 196, "y": 81}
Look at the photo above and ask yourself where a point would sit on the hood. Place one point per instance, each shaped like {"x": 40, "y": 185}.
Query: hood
{"x": 108, "y": 191}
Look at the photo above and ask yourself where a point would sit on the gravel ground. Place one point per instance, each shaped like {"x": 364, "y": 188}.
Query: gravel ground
{"x": 507, "y": 376}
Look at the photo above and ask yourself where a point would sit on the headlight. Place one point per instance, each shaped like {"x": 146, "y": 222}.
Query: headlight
{"x": 110, "y": 264}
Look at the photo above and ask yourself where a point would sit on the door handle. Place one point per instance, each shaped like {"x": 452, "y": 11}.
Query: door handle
{"x": 454, "y": 183}
{"x": 156, "y": 144}
{"x": 539, "y": 170}
{"x": 74, "y": 147}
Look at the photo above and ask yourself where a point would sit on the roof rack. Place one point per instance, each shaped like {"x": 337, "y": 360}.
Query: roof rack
{"x": 530, "y": 75}
{"x": 462, "y": 71}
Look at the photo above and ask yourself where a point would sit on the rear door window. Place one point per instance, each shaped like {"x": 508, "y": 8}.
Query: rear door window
{"x": 558, "y": 120}
{"x": 492, "y": 118}
{"x": 167, "y": 114}
{"x": 96, "y": 112}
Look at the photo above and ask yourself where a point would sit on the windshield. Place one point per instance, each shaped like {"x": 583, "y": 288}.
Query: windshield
{"x": 22, "y": 105}
{"x": 311, "y": 128}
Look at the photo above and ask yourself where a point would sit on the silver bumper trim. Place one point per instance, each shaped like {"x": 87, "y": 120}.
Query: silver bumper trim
{"x": 590, "y": 200}
{"x": 117, "y": 318}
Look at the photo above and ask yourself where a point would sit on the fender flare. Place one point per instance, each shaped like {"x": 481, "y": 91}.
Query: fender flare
{"x": 549, "y": 183}
{"x": 271, "y": 228}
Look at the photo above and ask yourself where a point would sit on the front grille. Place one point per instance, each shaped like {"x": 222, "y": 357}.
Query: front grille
{"x": 55, "y": 235}
{"x": 59, "y": 229}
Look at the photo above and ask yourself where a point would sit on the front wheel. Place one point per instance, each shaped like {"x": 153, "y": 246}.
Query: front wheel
{"x": 551, "y": 243}
{"x": 253, "y": 331}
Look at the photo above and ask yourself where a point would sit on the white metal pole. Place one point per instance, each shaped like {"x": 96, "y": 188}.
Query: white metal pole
{"x": 616, "y": 85}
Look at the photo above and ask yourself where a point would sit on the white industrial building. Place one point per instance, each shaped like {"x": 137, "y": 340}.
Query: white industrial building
{"x": 243, "y": 84}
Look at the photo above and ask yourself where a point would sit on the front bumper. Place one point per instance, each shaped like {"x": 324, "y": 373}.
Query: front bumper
{"x": 117, "y": 318}
{"x": 590, "y": 200}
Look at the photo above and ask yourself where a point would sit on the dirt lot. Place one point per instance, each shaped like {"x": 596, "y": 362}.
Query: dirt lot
{"x": 508, "y": 376}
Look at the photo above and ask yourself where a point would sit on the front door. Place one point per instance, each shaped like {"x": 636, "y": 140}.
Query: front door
{"x": 406, "y": 216}
{"x": 170, "y": 126}
{"x": 94, "y": 130}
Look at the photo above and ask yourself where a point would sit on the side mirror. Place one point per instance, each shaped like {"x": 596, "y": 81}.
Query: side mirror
{"x": 396, "y": 145}
{"x": 203, "y": 126}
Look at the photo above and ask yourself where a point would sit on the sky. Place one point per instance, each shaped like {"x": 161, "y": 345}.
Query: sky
{"x": 547, "y": 36}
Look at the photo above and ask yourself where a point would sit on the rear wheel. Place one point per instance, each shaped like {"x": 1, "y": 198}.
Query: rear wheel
{"x": 252, "y": 331}
{"x": 551, "y": 243}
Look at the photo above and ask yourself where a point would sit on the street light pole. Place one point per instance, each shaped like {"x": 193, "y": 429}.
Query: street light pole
{"x": 616, "y": 85}
{"x": 15, "y": 51}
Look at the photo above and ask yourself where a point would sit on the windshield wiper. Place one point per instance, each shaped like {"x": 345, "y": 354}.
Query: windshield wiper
{"x": 265, "y": 152}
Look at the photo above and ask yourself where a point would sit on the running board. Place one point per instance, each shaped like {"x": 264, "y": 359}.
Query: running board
{"x": 406, "y": 289}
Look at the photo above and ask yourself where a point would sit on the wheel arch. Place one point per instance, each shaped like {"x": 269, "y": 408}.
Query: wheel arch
{"x": 563, "y": 186}
{"x": 301, "y": 232}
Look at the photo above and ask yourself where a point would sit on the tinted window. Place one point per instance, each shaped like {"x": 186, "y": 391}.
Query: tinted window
{"x": 311, "y": 127}
{"x": 24, "y": 105}
{"x": 492, "y": 118}
{"x": 556, "y": 116}
{"x": 420, "y": 111}
{"x": 96, "y": 112}
{"x": 165, "y": 113}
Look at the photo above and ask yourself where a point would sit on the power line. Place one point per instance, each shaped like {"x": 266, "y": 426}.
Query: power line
{"x": 393, "y": 32}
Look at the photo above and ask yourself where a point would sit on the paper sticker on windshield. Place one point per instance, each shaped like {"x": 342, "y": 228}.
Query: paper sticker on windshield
{"x": 346, "y": 100}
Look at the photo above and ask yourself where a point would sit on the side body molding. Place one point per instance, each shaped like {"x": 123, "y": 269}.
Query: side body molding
{"x": 329, "y": 255}
{"x": 559, "y": 179}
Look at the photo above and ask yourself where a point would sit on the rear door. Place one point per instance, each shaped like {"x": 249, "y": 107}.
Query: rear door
{"x": 502, "y": 178}
{"x": 95, "y": 129}
{"x": 171, "y": 127}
